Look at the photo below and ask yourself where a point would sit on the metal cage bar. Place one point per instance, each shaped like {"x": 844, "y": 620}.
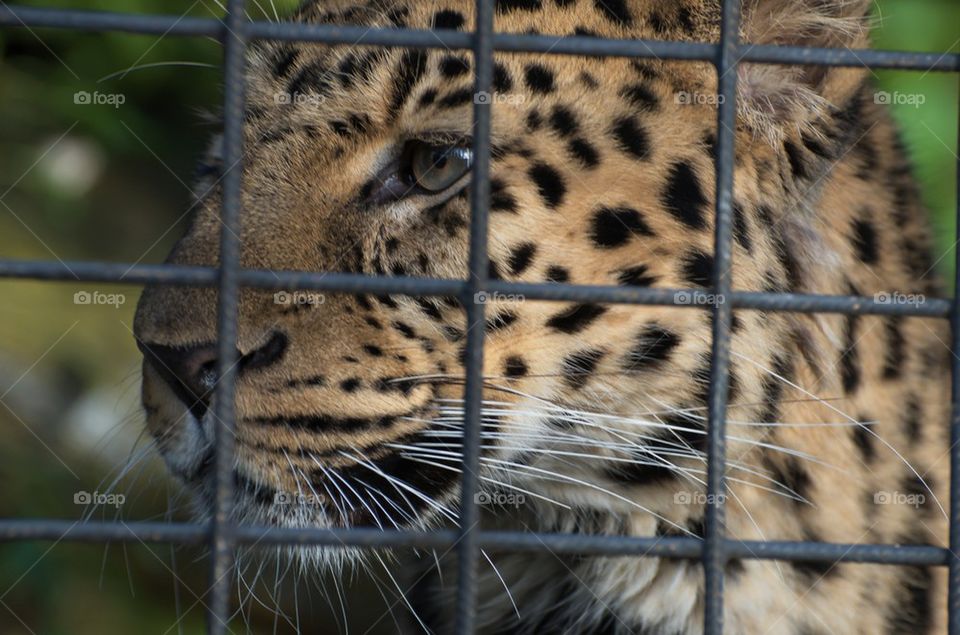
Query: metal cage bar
{"x": 953, "y": 599}
{"x": 235, "y": 32}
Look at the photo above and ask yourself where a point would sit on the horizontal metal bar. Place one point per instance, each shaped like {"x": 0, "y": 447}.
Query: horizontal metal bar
{"x": 16, "y": 15}
{"x": 368, "y": 537}
{"x": 97, "y": 531}
{"x": 575, "y": 45}
{"x": 117, "y": 273}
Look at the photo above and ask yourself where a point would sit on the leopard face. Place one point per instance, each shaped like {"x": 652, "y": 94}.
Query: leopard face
{"x": 357, "y": 159}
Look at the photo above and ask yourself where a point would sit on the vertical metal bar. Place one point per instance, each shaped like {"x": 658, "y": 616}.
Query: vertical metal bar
{"x": 234, "y": 41}
{"x": 953, "y": 589}
{"x": 480, "y": 196}
{"x": 714, "y": 556}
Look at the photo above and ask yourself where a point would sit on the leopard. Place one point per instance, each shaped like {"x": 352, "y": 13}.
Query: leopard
{"x": 350, "y": 408}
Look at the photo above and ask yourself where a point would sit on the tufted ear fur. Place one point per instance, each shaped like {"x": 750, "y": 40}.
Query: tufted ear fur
{"x": 776, "y": 98}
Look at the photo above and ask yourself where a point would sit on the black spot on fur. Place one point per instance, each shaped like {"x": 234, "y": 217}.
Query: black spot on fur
{"x": 514, "y": 366}
{"x": 773, "y": 389}
{"x": 849, "y": 358}
{"x": 563, "y": 121}
{"x": 584, "y": 152}
{"x": 652, "y": 348}
{"x": 313, "y": 78}
{"x": 797, "y": 163}
{"x": 641, "y": 97}
{"x": 534, "y": 121}
{"x": 452, "y": 66}
{"x": 791, "y": 477}
{"x": 615, "y": 10}
{"x": 632, "y": 137}
{"x": 448, "y": 19}
{"x": 500, "y": 321}
{"x": 284, "y": 61}
{"x": 373, "y": 350}
{"x": 615, "y": 226}
{"x": 895, "y": 355}
{"x": 911, "y": 604}
{"x": 698, "y": 268}
{"x": 502, "y": 82}
{"x": 912, "y": 417}
{"x": 578, "y": 367}
{"x": 412, "y": 66}
{"x": 350, "y": 385}
{"x": 741, "y": 231}
{"x": 684, "y": 197}
{"x": 557, "y": 274}
{"x": 576, "y": 318}
{"x": 520, "y": 257}
{"x": 539, "y": 78}
{"x": 549, "y": 183}
{"x": 637, "y": 276}
{"x": 428, "y": 97}
{"x": 865, "y": 241}
{"x": 864, "y": 440}
{"x": 405, "y": 330}
{"x": 500, "y": 199}
{"x": 456, "y": 98}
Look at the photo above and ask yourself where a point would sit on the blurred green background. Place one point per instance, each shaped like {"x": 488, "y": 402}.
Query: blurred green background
{"x": 110, "y": 182}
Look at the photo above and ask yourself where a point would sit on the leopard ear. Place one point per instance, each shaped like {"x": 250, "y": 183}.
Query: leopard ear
{"x": 776, "y": 98}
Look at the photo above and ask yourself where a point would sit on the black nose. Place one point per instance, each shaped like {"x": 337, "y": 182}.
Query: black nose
{"x": 191, "y": 371}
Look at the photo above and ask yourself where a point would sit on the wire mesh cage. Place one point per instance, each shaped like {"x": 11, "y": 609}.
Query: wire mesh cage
{"x": 235, "y": 31}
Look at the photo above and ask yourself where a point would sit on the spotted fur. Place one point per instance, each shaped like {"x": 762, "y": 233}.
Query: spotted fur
{"x": 601, "y": 174}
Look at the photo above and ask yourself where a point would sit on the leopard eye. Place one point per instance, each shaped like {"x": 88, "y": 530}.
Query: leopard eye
{"x": 434, "y": 168}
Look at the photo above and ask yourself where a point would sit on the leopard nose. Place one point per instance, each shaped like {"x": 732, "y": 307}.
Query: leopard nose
{"x": 190, "y": 371}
